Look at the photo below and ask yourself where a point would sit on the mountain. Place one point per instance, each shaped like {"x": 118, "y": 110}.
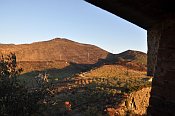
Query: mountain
{"x": 134, "y": 56}
{"x": 55, "y": 54}
{"x": 128, "y": 63}
{"x": 132, "y": 59}
{"x": 63, "y": 57}
{"x": 56, "y": 50}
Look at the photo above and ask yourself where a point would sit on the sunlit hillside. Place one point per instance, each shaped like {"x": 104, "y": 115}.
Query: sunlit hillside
{"x": 115, "y": 71}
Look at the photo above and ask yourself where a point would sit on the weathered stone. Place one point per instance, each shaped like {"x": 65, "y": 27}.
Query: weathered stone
{"x": 153, "y": 37}
{"x": 167, "y": 54}
{"x": 158, "y": 109}
{"x": 162, "y": 101}
{"x": 137, "y": 102}
{"x": 161, "y": 107}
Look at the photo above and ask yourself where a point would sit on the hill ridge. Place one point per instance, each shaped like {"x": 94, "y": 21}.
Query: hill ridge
{"x": 55, "y": 49}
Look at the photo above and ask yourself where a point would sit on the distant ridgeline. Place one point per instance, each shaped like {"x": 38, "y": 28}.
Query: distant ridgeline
{"x": 59, "y": 53}
{"x": 55, "y": 50}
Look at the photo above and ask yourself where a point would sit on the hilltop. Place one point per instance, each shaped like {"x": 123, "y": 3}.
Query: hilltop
{"x": 135, "y": 56}
{"x": 54, "y": 50}
{"x": 64, "y": 58}
{"x": 57, "y": 56}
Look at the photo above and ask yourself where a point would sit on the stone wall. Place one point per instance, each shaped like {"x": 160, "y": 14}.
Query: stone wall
{"x": 153, "y": 37}
{"x": 135, "y": 103}
{"x": 138, "y": 101}
{"x": 162, "y": 100}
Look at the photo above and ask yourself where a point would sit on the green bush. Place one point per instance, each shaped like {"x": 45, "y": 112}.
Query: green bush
{"x": 16, "y": 99}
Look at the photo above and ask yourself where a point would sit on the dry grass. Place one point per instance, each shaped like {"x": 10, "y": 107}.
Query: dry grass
{"x": 55, "y": 49}
{"x": 115, "y": 71}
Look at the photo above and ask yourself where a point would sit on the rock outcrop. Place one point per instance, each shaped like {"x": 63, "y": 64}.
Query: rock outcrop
{"x": 135, "y": 103}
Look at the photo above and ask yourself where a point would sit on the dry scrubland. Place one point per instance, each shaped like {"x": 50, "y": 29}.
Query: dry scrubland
{"x": 75, "y": 80}
{"x": 104, "y": 90}
{"x": 118, "y": 71}
{"x": 101, "y": 91}
{"x": 55, "y": 50}
{"x": 102, "y": 95}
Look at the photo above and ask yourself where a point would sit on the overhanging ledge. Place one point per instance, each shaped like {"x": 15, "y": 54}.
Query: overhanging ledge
{"x": 143, "y": 13}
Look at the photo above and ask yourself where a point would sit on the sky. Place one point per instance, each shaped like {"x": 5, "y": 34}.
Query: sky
{"x": 27, "y": 21}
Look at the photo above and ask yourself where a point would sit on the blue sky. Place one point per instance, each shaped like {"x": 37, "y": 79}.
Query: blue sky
{"x": 27, "y": 21}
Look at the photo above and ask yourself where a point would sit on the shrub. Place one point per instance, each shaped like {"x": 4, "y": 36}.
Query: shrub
{"x": 16, "y": 99}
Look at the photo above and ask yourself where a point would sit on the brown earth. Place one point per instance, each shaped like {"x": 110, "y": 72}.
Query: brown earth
{"x": 55, "y": 50}
{"x": 65, "y": 56}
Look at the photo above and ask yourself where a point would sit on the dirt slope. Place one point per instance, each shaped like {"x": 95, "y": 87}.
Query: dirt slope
{"x": 57, "y": 55}
{"x": 56, "y": 49}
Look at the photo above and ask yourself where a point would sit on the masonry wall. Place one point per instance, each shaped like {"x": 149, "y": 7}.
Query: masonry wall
{"x": 153, "y": 37}
{"x": 162, "y": 100}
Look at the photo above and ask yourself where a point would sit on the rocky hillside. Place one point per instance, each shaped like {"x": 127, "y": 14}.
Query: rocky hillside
{"x": 64, "y": 55}
{"x": 54, "y": 50}
{"x": 134, "y": 56}
{"x": 132, "y": 59}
